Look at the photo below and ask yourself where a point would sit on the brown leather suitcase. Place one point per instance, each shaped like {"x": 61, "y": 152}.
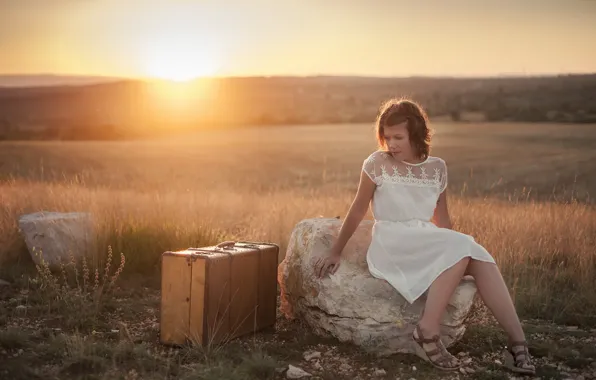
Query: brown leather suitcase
{"x": 213, "y": 294}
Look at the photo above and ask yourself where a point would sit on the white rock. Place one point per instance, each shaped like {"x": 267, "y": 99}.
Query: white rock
{"x": 296, "y": 372}
{"x": 310, "y": 355}
{"x": 351, "y": 304}
{"x": 55, "y": 234}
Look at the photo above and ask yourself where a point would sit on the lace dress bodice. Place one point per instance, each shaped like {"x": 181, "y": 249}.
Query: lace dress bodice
{"x": 405, "y": 192}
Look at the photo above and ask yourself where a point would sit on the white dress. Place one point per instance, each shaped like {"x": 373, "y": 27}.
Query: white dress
{"x": 407, "y": 249}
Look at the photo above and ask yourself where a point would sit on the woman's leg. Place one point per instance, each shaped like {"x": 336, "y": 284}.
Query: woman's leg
{"x": 494, "y": 293}
{"x": 438, "y": 297}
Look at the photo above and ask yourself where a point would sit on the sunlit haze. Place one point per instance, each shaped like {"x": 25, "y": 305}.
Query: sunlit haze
{"x": 185, "y": 39}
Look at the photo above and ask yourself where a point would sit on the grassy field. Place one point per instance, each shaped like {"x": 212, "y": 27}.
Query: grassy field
{"x": 524, "y": 191}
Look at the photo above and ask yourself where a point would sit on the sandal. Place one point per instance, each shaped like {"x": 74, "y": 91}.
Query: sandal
{"x": 439, "y": 357}
{"x": 518, "y": 358}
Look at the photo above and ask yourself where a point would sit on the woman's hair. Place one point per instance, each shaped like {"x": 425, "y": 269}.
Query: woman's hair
{"x": 396, "y": 111}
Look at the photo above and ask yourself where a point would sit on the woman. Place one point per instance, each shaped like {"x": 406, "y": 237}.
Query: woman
{"x": 413, "y": 245}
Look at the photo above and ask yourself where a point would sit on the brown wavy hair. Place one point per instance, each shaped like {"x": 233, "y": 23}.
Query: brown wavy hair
{"x": 398, "y": 110}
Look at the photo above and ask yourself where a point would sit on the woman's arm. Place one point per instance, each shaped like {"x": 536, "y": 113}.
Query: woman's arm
{"x": 356, "y": 213}
{"x": 441, "y": 215}
{"x": 358, "y": 209}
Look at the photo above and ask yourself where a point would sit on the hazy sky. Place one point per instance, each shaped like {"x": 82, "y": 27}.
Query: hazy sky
{"x": 182, "y": 38}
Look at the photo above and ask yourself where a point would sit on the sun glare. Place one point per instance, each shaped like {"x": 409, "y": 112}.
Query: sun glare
{"x": 181, "y": 67}
{"x": 175, "y": 60}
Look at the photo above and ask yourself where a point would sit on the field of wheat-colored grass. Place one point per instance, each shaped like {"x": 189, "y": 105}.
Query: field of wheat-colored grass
{"x": 523, "y": 191}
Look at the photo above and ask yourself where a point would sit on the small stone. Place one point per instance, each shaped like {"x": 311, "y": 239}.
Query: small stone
{"x": 379, "y": 372}
{"x": 317, "y": 366}
{"x": 345, "y": 367}
{"x": 470, "y": 370}
{"x": 4, "y": 283}
{"x": 497, "y": 361}
{"x": 461, "y": 354}
{"x": 414, "y": 368}
{"x": 296, "y": 372}
{"x": 572, "y": 328}
{"x": 310, "y": 355}
{"x": 575, "y": 353}
{"x": 462, "y": 370}
{"x": 467, "y": 361}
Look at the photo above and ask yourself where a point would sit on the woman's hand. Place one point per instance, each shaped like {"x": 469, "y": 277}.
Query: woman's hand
{"x": 330, "y": 263}
{"x": 327, "y": 264}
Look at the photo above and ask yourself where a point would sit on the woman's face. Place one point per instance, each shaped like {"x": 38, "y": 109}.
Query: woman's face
{"x": 397, "y": 140}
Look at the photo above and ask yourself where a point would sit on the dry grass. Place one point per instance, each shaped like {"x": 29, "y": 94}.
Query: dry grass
{"x": 523, "y": 191}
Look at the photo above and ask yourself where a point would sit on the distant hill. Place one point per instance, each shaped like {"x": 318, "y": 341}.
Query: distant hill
{"x": 40, "y": 80}
{"x": 91, "y": 107}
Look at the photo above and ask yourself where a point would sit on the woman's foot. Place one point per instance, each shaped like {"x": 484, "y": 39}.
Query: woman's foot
{"x": 519, "y": 359}
{"x": 433, "y": 351}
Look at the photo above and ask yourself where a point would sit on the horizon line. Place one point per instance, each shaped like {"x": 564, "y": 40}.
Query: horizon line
{"x": 106, "y": 78}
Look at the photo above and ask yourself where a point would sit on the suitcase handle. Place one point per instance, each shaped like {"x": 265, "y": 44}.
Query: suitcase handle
{"x": 226, "y": 245}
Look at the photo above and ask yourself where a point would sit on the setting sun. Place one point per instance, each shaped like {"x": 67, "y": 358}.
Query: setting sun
{"x": 180, "y": 67}
{"x": 176, "y": 59}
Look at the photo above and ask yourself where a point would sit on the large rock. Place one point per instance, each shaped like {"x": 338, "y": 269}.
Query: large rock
{"x": 56, "y": 235}
{"x": 351, "y": 304}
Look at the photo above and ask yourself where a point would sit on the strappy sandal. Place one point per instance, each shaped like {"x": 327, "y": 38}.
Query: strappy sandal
{"x": 439, "y": 358}
{"x": 518, "y": 358}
